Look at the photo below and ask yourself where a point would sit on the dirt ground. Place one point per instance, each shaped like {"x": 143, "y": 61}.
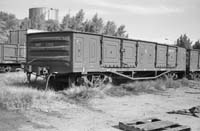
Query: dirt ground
{"x": 101, "y": 114}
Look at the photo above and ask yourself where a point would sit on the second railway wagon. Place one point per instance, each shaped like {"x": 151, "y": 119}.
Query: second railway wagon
{"x": 13, "y": 52}
{"x": 193, "y": 64}
{"x": 92, "y": 58}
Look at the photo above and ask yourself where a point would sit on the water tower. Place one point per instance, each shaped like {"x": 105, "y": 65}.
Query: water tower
{"x": 42, "y": 12}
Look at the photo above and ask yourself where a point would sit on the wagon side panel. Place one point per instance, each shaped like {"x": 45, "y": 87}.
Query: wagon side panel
{"x": 129, "y": 54}
{"x": 86, "y": 53}
{"x": 172, "y": 57}
{"x": 78, "y": 53}
{"x": 181, "y": 59}
{"x": 50, "y": 50}
{"x": 146, "y": 56}
{"x": 193, "y": 60}
{"x": 14, "y": 37}
{"x": 18, "y": 37}
{"x": 1, "y": 53}
{"x": 161, "y": 59}
{"x": 94, "y": 53}
{"x": 22, "y": 53}
{"x": 22, "y": 37}
{"x": 10, "y": 53}
{"x": 111, "y": 53}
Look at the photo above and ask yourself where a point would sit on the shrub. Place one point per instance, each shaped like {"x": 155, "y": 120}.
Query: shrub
{"x": 170, "y": 83}
{"x": 185, "y": 82}
{"x": 80, "y": 94}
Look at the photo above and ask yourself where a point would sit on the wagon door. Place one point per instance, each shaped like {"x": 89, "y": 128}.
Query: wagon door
{"x": 111, "y": 52}
{"x": 172, "y": 56}
{"x": 129, "y": 54}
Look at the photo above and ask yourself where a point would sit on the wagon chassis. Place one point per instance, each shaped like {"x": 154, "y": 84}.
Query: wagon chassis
{"x": 97, "y": 79}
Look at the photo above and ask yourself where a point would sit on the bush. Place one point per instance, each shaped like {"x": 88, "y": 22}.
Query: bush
{"x": 169, "y": 83}
{"x": 81, "y": 94}
{"x": 116, "y": 91}
{"x": 137, "y": 87}
{"x": 185, "y": 82}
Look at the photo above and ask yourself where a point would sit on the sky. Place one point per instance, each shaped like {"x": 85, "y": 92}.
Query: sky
{"x": 152, "y": 20}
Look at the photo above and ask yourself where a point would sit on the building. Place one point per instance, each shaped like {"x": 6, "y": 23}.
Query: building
{"x": 43, "y": 12}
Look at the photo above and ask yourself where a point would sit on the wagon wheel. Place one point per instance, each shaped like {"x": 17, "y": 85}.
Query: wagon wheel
{"x": 196, "y": 76}
{"x": 28, "y": 75}
{"x": 96, "y": 80}
{"x": 8, "y": 69}
{"x": 168, "y": 76}
{"x": 172, "y": 76}
{"x": 162, "y": 77}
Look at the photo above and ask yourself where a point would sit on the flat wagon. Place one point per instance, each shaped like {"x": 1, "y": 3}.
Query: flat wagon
{"x": 77, "y": 57}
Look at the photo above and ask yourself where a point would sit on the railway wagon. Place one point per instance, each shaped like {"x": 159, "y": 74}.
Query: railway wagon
{"x": 78, "y": 57}
{"x": 11, "y": 57}
{"x": 13, "y": 53}
{"x": 17, "y": 37}
{"x": 193, "y": 64}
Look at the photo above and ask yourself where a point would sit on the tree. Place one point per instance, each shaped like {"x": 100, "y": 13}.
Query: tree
{"x": 3, "y": 35}
{"x": 79, "y": 20}
{"x": 52, "y": 25}
{"x": 184, "y": 41}
{"x": 109, "y": 28}
{"x": 96, "y": 24}
{"x": 76, "y": 22}
{"x": 196, "y": 45}
{"x": 65, "y": 25}
{"x": 25, "y": 24}
{"x": 121, "y": 31}
{"x": 87, "y": 26}
{"x": 7, "y": 22}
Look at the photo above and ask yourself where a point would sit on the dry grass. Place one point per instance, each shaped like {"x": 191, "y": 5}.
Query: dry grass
{"x": 16, "y": 94}
{"x": 137, "y": 87}
{"x": 172, "y": 83}
{"x": 185, "y": 82}
{"x": 81, "y": 94}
